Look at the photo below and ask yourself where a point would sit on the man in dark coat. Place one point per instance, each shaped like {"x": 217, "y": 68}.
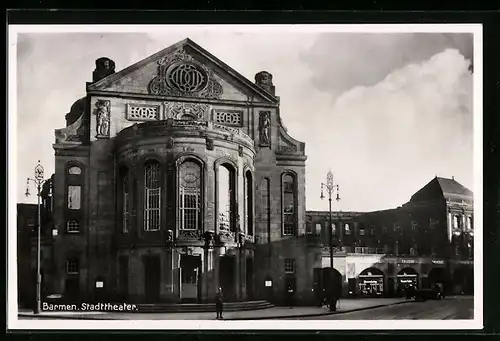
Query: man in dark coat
{"x": 290, "y": 296}
{"x": 219, "y": 303}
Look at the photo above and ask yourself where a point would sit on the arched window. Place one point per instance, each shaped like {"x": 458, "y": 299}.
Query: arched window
{"x": 226, "y": 198}
{"x": 289, "y": 213}
{"x": 152, "y": 192}
{"x": 470, "y": 223}
{"x": 249, "y": 202}
{"x": 125, "y": 201}
{"x": 190, "y": 196}
{"x": 75, "y": 170}
{"x": 74, "y": 180}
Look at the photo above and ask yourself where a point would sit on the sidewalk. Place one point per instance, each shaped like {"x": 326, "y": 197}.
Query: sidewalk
{"x": 344, "y": 306}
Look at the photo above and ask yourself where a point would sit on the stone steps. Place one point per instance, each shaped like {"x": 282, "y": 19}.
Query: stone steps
{"x": 203, "y": 307}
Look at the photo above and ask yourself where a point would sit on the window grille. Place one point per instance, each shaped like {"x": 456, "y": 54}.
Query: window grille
{"x": 72, "y": 267}
{"x": 190, "y": 195}
{"x": 152, "y": 190}
{"x": 73, "y": 226}
{"x": 289, "y": 265}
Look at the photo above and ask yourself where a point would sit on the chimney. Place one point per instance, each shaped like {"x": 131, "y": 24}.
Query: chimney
{"x": 103, "y": 68}
{"x": 265, "y": 80}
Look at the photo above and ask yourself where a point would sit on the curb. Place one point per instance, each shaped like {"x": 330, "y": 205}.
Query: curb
{"x": 92, "y": 317}
{"x": 317, "y": 314}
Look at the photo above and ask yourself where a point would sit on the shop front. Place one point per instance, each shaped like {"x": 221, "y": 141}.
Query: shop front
{"x": 371, "y": 282}
{"x": 405, "y": 278}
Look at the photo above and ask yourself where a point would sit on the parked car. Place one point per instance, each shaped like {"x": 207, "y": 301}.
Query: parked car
{"x": 428, "y": 294}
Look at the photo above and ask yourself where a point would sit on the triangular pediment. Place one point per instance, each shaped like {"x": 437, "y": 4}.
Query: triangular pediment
{"x": 183, "y": 70}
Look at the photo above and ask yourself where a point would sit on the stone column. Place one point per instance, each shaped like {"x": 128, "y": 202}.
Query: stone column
{"x": 237, "y": 273}
{"x": 450, "y": 222}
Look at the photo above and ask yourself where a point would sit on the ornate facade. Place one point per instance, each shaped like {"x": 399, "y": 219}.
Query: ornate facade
{"x": 172, "y": 178}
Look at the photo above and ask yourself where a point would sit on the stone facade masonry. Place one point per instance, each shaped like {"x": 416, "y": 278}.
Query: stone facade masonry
{"x": 125, "y": 125}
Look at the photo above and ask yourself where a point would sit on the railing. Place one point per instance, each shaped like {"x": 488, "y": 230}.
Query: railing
{"x": 187, "y": 124}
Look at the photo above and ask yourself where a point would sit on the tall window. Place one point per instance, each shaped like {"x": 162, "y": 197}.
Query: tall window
{"x": 152, "y": 191}
{"x": 74, "y": 188}
{"x": 125, "y": 201}
{"x": 249, "y": 202}
{"x": 289, "y": 217}
{"x": 226, "y": 198}
{"x": 190, "y": 195}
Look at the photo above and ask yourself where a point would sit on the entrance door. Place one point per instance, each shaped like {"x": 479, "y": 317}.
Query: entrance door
{"x": 249, "y": 279}
{"x": 72, "y": 287}
{"x": 123, "y": 272}
{"x": 190, "y": 272}
{"x": 227, "y": 276}
{"x": 152, "y": 272}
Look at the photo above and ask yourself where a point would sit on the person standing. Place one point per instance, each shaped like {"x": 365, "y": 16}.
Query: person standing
{"x": 219, "y": 303}
{"x": 290, "y": 296}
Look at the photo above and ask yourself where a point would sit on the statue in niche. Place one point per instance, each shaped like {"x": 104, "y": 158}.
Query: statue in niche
{"x": 210, "y": 144}
{"x": 240, "y": 151}
{"x": 265, "y": 127}
{"x": 170, "y": 142}
{"x": 102, "y": 113}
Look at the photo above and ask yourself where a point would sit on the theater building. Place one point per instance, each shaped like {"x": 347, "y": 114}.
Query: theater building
{"x": 172, "y": 177}
{"x": 427, "y": 240}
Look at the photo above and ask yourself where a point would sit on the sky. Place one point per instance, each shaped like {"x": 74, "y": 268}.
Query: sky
{"x": 385, "y": 112}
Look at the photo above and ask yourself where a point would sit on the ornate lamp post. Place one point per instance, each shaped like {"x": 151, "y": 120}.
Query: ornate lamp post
{"x": 330, "y": 188}
{"x": 38, "y": 180}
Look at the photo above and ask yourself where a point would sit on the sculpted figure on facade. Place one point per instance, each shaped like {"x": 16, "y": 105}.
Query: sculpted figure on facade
{"x": 102, "y": 114}
{"x": 265, "y": 128}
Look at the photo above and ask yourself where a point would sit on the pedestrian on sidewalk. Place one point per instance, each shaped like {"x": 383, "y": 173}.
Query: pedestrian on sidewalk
{"x": 290, "y": 296}
{"x": 219, "y": 303}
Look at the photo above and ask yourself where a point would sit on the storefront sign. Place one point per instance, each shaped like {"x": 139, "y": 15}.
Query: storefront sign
{"x": 408, "y": 261}
{"x": 269, "y": 283}
{"x": 441, "y": 262}
{"x": 99, "y": 284}
{"x": 468, "y": 262}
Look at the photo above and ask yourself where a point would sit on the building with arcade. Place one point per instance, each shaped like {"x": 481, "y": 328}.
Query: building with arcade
{"x": 427, "y": 240}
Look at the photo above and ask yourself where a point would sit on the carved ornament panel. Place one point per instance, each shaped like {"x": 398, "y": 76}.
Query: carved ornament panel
{"x": 143, "y": 112}
{"x": 185, "y": 110}
{"x": 179, "y": 74}
{"x": 228, "y": 117}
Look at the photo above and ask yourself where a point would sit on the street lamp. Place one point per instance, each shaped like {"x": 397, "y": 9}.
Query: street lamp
{"x": 38, "y": 180}
{"x": 330, "y": 188}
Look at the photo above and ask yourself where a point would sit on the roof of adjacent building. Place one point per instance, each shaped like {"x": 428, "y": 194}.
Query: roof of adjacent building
{"x": 442, "y": 187}
{"x": 451, "y": 186}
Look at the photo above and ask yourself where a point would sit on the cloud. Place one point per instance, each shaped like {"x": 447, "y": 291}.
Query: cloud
{"x": 395, "y": 136}
{"x": 340, "y": 61}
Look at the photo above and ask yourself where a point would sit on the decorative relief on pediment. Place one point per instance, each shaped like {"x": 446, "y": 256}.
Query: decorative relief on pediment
{"x": 179, "y": 74}
{"x": 143, "y": 112}
{"x": 185, "y": 110}
{"x": 189, "y": 234}
{"x": 228, "y": 117}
